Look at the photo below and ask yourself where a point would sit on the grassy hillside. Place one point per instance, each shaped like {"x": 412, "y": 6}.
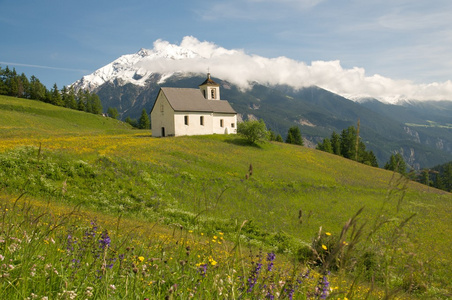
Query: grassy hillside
{"x": 28, "y": 118}
{"x": 207, "y": 184}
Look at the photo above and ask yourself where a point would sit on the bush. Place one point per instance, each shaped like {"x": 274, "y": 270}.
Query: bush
{"x": 253, "y": 130}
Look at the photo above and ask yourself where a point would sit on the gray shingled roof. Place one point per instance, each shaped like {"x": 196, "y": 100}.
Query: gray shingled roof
{"x": 183, "y": 99}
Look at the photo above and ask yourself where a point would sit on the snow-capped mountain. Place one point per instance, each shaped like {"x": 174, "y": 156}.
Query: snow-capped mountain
{"x": 134, "y": 68}
{"x": 243, "y": 70}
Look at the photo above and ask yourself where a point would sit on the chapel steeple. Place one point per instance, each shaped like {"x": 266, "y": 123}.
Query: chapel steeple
{"x": 210, "y": 89}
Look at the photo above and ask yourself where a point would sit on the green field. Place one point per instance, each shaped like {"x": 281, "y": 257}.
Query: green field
{"x": 204, "y": 185}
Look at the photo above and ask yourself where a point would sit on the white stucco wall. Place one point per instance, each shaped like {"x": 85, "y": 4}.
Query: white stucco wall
{"x": 162, "y": 117}
{"x": 194, "y": 126}
{"x": 229, "y": 124}
{"x": 212, "y": 123}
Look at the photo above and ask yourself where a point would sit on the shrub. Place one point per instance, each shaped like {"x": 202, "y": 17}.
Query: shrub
{"x": 253, "y": 130}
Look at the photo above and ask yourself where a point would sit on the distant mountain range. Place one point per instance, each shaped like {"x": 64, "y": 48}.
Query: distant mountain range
{"x": 420, "y": 130}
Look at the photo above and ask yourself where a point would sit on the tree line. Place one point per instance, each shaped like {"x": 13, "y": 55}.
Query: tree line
{"x": 348, "y": 144}
{"x": 15, "y": 85}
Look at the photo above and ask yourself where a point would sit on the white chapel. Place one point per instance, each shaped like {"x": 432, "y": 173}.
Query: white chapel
{"x": 185, "y": 111}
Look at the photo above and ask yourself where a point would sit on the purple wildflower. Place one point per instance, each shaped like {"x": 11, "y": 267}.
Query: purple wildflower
{"x": 202, "y": 270}
{"x": 105, "y": 240}
{"x": 322, "y": 289}
{"x": 254, "y": 275}
{"x": 270, "y": 258}
{"x": 70, "y": 243}
{"x": 325, "y": 288}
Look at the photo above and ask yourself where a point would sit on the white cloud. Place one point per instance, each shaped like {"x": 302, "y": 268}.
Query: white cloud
{"x": 243, "y": 69}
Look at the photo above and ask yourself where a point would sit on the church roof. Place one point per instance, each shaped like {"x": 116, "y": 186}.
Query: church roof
{"x": 209, "y": 81}
{"x": 185, "y": 99}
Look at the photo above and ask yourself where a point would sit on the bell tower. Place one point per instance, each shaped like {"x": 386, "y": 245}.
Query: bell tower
{"x": 210, "y": 89}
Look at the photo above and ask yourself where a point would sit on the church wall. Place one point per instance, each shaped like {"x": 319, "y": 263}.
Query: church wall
{"x": 162, "y": 116}
{"x": 224, "y": 123}
{"x": 194, "y": 126}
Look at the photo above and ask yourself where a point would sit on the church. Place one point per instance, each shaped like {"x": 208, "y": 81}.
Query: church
{"x": 185, "y": 111}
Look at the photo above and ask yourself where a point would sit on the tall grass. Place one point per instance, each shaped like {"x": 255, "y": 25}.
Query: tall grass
{"x": 397, "y": 245}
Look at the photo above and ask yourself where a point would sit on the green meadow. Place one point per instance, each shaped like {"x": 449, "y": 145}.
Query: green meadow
{"x": 375, "y": 233}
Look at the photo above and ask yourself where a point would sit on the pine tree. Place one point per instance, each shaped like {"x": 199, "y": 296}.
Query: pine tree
{"x": 56, "y": 98}
{"x": 24, "y": 88}
{"x": 336, "y": 143}
{"x": 37, "y": 89}
{"x": 294, "y": 136}
{"x": 131, "y": 121}
{"x": 144, "y": 122}
{"x": 96, "y": 105}
{"x": 325, "y": 146}
{"x": 396, "y": 163}
{"x": 71, "y": 99}
{"x": 348, "y": 142}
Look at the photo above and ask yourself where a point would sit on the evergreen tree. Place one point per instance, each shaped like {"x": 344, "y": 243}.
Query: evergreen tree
{"x": 56, "y": 98}
{"x": 447, "y": 177}
{"x": 271, "y": 135}
{"x": 3, "y": 86}
{"x": 96, "y": 105}
{"x": 71, "y": 101}
{"x": 348, "y": 142}
{"x": 279, "y": 138}
{"x": 81, "y": 101}
{"x": 24, "y": 86}
{"x": 144, "y": 122}
{"x": 37, "y": 89}
{"x": 294, "y": 136}
{"x": 369, "y": 158}
{"x": 325, "y": 145}
{"x": 132, "y": 122}
{"x": 396, "y": 163}
{"x": 88, "y": 101}
{"x": 336, "y": 143}
{"x": 112, "y": 112}
{"x": 425, "y": 177}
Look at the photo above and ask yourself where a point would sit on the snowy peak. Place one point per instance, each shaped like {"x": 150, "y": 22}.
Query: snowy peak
{"x": 237, "y": 67}
{"x": 137, "y": 68}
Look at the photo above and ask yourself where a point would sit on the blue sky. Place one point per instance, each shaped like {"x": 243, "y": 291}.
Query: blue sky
{"x": 61, "y": 41}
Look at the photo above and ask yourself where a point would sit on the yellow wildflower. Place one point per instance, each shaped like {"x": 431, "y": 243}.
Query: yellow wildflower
{"x": 324, "y": 247}
{"x": 141, "y": 258}
{"x": 212, "y": 261}
{"x": 327, "y": 233}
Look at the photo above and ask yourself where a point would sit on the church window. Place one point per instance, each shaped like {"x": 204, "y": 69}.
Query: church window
{"x": 221, "y": 123}
{"x": 212, "y": 93}
{"x": 232, "y": 125}
{"x": 186, "y": 120}
{"x": 201, "y": 120}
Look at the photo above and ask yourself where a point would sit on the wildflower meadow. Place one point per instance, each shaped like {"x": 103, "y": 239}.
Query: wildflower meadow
{"x": 92, "y": 209}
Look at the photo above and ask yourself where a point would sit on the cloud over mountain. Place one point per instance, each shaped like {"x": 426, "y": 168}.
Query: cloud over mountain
{"x": 242, "y": 69}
